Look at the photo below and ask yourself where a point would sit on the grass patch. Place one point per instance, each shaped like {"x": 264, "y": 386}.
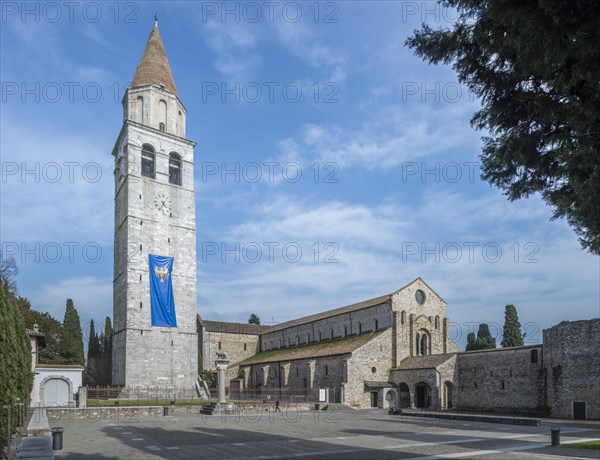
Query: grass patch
{"x": 591, "y": 445}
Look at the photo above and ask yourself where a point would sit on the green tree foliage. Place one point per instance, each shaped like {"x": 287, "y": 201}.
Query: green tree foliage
{"x": 483, "y": 341}
{"x": 471, "y": 341}
{"x": 47, "y": 325}
{"x": 71, "y": 338}
{"x": 536, "y": 67}
{"x": 511, "y": 332}
{"x": 206, "y": 375}
{"x": 15, "y": 358}
{"x": 94, "y": 355}
{"x": 107, "y": 337}
{"x": 254, "y": 319}
{"x": 105, "y": 377}
{"x": 8, "y": 272}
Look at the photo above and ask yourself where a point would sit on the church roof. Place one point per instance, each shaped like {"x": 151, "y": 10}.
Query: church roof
{"x": 232, "y": 328}
{"x": 330, "y": 313}
{"x": 154, "y": 66}
{"x": 315, "y": 350}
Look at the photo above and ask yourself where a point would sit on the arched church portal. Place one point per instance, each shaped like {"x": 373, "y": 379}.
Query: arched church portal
{"x": 404, "y": 396}
{"x": 422, "y": 395}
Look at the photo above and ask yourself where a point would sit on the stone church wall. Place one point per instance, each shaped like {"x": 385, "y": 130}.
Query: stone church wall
{"x": 500, "y": 379}
{"x": 238, "y": 346}
{"x": 342, "y": 325}
{"x": 572, "y": 367}
{"x": 371, "y": 362}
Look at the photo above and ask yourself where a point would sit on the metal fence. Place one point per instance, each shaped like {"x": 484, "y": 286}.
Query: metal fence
{"x": 13, "y": 417}
{"x": 110, "y": 396}
{"x": 107, "y": 396}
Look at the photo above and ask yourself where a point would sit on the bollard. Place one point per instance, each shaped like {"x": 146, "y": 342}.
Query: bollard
{"x": 555, "y": 436}
{"x": 165, "y": 411}
{"x": 57, "y": 438}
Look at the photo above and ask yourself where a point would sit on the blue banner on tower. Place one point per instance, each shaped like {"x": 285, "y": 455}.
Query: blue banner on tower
{"x": 162, "y": 303}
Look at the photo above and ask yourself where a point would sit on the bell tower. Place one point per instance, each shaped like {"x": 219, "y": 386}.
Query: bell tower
{"x": 154, "y": 306}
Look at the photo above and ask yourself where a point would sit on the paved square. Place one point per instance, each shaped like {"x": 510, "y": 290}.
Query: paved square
{"x": 366, "y": 434}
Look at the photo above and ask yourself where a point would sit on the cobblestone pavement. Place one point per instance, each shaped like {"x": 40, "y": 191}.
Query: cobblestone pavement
{"x": 367, "y": 434}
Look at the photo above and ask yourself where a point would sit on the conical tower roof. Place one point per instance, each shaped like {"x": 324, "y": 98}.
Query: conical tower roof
{"x": 154, "y": 66}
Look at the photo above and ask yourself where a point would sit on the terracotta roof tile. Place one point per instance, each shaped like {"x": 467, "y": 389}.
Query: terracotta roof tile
{"x": 233, "y": 328}
{"x": 315, "y": 350}
{"x": 154, "y": 66}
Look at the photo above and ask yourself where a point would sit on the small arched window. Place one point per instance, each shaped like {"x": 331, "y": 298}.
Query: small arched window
{"x": 403, "y": 317}
{"x": 437, "y": 322}
{"x": 345, "y": 331}
{"x": 424, "y": 344}
{"x": 139, "y": 116}
{"x": 148, "y": 160}
{"x": 174, "y": 168}
{"x": 359, "y": 328}
{"x": 534, "y": 356}
{"x": 331, "y": 333}
{"x": 376, "y": 325}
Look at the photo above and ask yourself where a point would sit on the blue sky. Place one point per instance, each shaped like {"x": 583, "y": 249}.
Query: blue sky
{"x": 332, "y": 165}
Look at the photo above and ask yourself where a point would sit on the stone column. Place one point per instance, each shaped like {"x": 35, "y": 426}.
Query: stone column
{"x": 221, "y": 362}
{"x": 412, "y": 399}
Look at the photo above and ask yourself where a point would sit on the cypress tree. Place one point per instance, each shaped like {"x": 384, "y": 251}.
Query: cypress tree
{"x": 71, "y": 339}
{"x": 106, "y": 373}
{"x": 483, "y": 341}
{"x": 511, "y": 332}
{"x": 484, "y": 338}
{"x": 107, "y": 337}
{"x": 471, "y": 341}
{"x": 93, "y": 357}
{"x": 15, "y": 358}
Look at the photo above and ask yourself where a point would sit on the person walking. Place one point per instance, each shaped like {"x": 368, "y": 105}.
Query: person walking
{"x": 277, "y": 409}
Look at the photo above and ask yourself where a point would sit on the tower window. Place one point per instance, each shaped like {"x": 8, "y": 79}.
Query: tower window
{"x": 161, "y": 126}
{"x": 148, "y": 161}
{"x": 174, "y": 168}
{"x": 219, "y": 345}
{"x": 245, "y": 347}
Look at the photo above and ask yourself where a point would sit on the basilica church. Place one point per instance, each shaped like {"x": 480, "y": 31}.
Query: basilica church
{"x": 392, "y": 349}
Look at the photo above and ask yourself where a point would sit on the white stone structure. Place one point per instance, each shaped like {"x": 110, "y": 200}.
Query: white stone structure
{"x": 56, "y": 385}
{"x": 154, "y": 214}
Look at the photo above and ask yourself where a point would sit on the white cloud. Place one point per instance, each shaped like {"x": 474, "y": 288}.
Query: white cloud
{"x": 92, "y": 297}
{"x": 235, "y": 45}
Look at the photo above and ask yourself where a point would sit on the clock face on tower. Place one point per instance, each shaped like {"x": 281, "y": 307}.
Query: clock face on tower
{"x": 163, "y": 203}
